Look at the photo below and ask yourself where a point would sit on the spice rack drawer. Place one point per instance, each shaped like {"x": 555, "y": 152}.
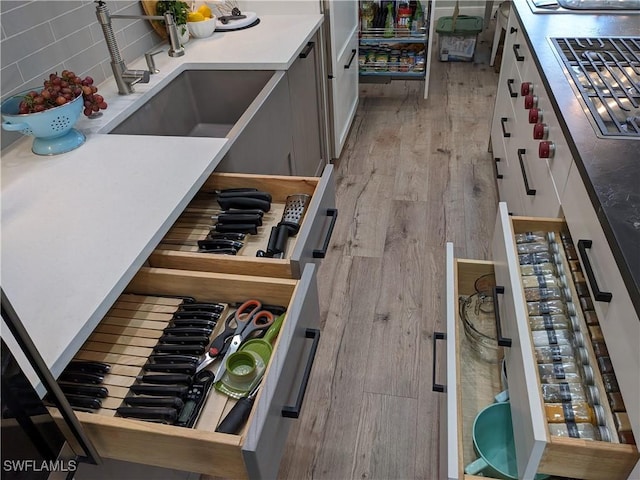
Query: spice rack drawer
{"x": 256, "y": 451}
{"x": 473, "y": 380}
{"x": 177, "y": 250}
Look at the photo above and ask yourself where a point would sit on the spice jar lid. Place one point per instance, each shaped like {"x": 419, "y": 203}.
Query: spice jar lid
{"x": 566, "y": 292}
{"x": 600, "y": 415}
{"x": 583, "y": 356}
{"x": 563, "y": 280}
{"x": 579, "y": 339}
{"x": 593, "y": 395}
{"x": 553, "y": 246}
{"x": 588, "y": 375}
{"x": 575, "y": 323}
{"x": 571, "y": 308}
{"x": 604, "y": 434}
{"x": 560, "y": 269}
{"x": 551, "y": 236}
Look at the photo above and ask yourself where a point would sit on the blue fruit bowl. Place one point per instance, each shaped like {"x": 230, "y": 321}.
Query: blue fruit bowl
{"x": 53, "y": 128}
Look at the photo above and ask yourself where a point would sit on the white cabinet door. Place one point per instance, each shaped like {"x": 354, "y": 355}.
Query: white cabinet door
{"x": 343, "y": 68}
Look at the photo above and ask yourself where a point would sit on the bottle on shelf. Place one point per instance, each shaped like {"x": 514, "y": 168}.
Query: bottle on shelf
{"x": 389, "y": 24}
{"x": 417, "y": 22}
{"x": 403, "y": 19}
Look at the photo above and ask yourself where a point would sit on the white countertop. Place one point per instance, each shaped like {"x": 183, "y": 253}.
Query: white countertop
{"x": 76, "y": 227}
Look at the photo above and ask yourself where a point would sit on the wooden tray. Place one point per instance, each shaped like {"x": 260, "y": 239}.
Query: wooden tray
{"x": 149, "y": 7}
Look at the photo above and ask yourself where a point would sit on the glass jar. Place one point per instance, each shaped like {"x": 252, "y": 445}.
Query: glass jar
{"x": 591, "y": 317}
{"x": 610, "y": 383}
{"x": 600, "y": 348}
{"x": 533, "y": 247}
{"x": 537, "y": 294}
{"x": 545, "y": 338}
{"x": 539, "y": 269}
{"x": 564, "y": 392}
{"x": 549, "y": 322}
{"x": 626, "y": 437}
{"x": 585, "y": 431}
{"x": 535, "y": 258}
{"x": 582, "y": 290}
{"x": 566, "y": 370}
{"x": 605, "y": 365}
{"x": 586, "y": 303}
{"x": 580, "y": 412}
{"x": 551, "y": 307}
{"x": 540, "y": 281}
{"x": 554, "y": 353}
{"x": 570, "y": 252}
{"x": 529, "y": 237}
{"x": 621, "y": 419}
{"x": 616, "y": 402}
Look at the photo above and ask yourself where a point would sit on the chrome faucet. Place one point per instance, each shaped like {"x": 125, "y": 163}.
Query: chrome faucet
{"x": 125, "y": 78}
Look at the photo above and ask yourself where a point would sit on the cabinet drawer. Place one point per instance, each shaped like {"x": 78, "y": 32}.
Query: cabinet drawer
{"x": 536, "y": 449}
{"x": 308, "y": 246}
{"x": 256, "y": 451}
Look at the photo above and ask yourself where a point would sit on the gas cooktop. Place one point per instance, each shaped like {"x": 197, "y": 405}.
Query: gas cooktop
{"x": 605, "y": 74}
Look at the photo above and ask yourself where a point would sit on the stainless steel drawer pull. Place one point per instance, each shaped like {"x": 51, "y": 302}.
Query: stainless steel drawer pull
{"x": 502, "y": 341}
{"x": 516, "y": 51}
{"x": 499, "y": 176}
{"x": 437, "y": 387}
{"x": 598, "y": 294}
{"x": 530, "y": 191}
{"x": 512, "y": 94}
{"x": 333, "y": 213}
{"x": 505, "y": 134}
{"x": 294, "y": 412}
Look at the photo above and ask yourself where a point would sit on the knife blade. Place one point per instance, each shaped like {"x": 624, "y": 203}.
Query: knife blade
{"x": 87, "y": 366}
{"x": 88, "y": 390}
{"x": 160, "y": 390}
{"x": 219, "y": 251}
{"x": 174, "y": 402}
{"x": 236, "y": 227}
{"x": 188, "y": 331}
{"x": 160, "y": 414}
{"x": 81, "y": 377}
{"x": 244, "y": 203}
{"x": 169, "y": 379}
{"x": 178, "y": 348}
{"x": 187, "y": 368}
{"x": 174, "y": 358}
{"x": 184, "y": 339}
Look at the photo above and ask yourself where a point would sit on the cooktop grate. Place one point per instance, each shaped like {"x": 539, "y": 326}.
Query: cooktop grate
{"x": 606, "y": 74}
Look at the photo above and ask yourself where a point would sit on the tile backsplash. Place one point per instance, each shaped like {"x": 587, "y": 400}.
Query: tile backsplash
{"x": 43, "y": 36}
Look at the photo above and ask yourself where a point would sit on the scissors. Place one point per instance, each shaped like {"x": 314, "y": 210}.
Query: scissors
{"x": 248, "y": 318}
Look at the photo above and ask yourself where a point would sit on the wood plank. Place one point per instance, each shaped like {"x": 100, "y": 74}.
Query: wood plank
{"x": 150, "y": 299}
{"x": 112, "y": 359}
{"x": 116, "y": 312}
{"x": 123, "y": 340}
{"x": 129, "y": 331}
{"x": 144, "y": 307}
{"x": 135, "y": 323}
{"x": 120, "y": 349}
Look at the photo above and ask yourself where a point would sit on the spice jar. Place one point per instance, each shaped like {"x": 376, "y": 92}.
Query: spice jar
{"x": 616, "y": 402}
{"x": 586, "y": 303}
{"x": 591, "y": 317}
{"x": 554, "y": 353}
{"x": 545, "y": 338}
{"x": 529, "y": 237}
{"x": 585, "y": 431}
{"x": 551, "y": 307}
{"x": 605, "y": 365}
{"x": 621, "y": 419}
{"x": 537, "y": 294}
{"x": 580, "y": 412}
{"x": 535, "y": 258}
{"x": 581, "y": 289}
{"x": 558, "y": 369}
{"x": 596, "y": 333}
{"x": 570, "y": 252}
{"x": 539, "y": 269}
{"x": 600, "y": 348}
{"x": 574, "y": 265}
{"x": 533, "y": 247}
{"x": 540, "y": 281}
{"x": 626, "y": 437}
{"x": 549, "y": 322}
{"x": 563, "y": 392}
{"x": 610, "y": 383}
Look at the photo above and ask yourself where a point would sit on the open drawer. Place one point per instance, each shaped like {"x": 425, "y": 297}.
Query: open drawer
{"x": 178, "y": 249}
{"x": 256, "y": 451}
{"x": 473, "y": 382}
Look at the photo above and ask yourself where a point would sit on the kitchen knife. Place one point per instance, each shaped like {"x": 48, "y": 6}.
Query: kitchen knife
{"x": 83, "y": 401}
{"x": 160, "y": 390}
{"x": 239, "y": 414}
{"x": 227, "y": 236}
{"x": 174, "y": 358}
{"x": 226, "y": 191}
{"x": 236, "y": 227}
{"x": 88, "y": 390}
{"x": 184, "y": 339}
{"x": 81, "y": 377}
{"x": 199, "y": 314}
{"x": 174, "y": 402}
{"x": 203, "y": 307}
{"x": 244, "y": 203}
{"x": 87, "y": 367}
{"x": 169, "y": 379}
{"x": 238, "y": 218}
{"x": 255, "y": 211}
{"x": 187, "y": 368}
{"x": 188, "y": 331}
{"x": 160, "y": 414}
{"x": 220, "y": 244}
{"x": 264, "y": 196}
{"x": 219, "y": 251}
{"x": 193, "y": 322}
{"x": 178, "y": 348}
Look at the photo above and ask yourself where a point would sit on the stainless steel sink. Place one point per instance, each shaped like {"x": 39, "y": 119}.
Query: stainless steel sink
{"x": 201, "y": 103}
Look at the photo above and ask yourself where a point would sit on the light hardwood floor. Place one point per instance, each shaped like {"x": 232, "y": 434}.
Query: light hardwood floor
{"x": 414, "y": 174}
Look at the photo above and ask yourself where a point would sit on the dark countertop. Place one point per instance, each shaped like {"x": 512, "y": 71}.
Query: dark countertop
{"x": 610, "y": 168}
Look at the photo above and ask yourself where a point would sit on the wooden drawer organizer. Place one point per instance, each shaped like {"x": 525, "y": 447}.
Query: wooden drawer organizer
{"x": 256, "y": 450}
{"x": 304, "y": 248}
{"x": 472, "y": 383}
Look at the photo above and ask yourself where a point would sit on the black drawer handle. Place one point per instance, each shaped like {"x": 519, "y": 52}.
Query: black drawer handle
{"x": 530, "y": 191}
{"x": 599, "y": 295}
{"x": 513, "y": 30}
{"x": 333, "y": 213}
{"x": 499, "y": 176}
{"x": 502, "y": 341}
{"x": 353, "y": 55}
{"x": 437, "y": 387}
{"x": 307, "y": 50}
{"x": 512, "y": 94}
{"x": 505, "y": 134}
{"x": 516, "y": 51}
{"x": 294, "y": 412}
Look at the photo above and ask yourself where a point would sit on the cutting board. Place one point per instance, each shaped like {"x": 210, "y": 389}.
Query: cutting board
{"x": 149, "y": 7}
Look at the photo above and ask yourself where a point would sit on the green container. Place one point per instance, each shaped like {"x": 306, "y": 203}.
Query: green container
{"x": 458, "y": 41}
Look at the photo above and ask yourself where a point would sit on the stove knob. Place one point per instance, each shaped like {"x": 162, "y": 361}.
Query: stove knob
{"x": 530, "y": 101}
{"x": 546, "y": 149}
{"x": 540, "y": 131}
{"x": 535, "y": 115}
{"x": 526, "y": 88}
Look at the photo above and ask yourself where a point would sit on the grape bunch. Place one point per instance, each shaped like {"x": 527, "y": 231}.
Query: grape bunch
{"x": 59, "y": 90}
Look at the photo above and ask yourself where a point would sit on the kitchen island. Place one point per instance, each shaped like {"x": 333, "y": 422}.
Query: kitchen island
{"x": 76, "y": 227}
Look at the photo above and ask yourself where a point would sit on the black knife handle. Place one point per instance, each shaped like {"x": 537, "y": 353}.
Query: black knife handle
{"x": 81, "y": 377}
{"x": 87, "y": 366}
{"x": 184, "y": 339}
{"x": 199, "y": 314}
{"x": 169, "y": 379}
{"x": 162, "y": 414}
{"x": 227, "y": 236}
{"x": 89, "y": 390}
{"x": 83, "y": 401}
{"x": 237, "y": 227}
{"x": 193, "y": 322}
{"x": 173, "y": 402}
{"x": 202, "y": 307}
{"x": 236, "y": 417}
{"x": 174, "y": 358}
{"x": 173, "y": 348}
{"x": 160, "y": 390}
{"x": 186, "y": 331}
{"x": 220, "y": 243}
{"x": 264, "y": 196}
{"x": 239, "y": 218}
{"x": 188, "y": 368}
{"x": 244, "y": 203}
